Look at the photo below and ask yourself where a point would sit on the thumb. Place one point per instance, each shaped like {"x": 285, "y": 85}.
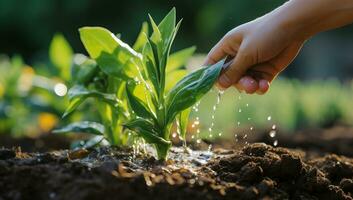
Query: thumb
{"x": 242, "y": 61}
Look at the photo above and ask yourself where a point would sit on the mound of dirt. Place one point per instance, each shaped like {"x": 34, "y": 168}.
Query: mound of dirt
{"x": 257, "y": 171}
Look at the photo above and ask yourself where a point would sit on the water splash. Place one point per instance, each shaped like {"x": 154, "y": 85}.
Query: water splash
{"x": 210, "y": 129}
{"x": 275, "y": 143}
{"x": 272, "y": 133}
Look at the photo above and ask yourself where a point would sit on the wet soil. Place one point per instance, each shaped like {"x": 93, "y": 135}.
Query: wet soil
{"x": 257, "y": 171}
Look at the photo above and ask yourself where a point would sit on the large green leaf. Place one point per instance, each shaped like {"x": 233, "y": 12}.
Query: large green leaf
{"x": 113, "y": 56}
{"x": 60, "y": 53}
{"x": 179, "y": 59}
{"x": 141, "y": 38}
{"x": 191, "y": 88}
{"x": 82, "y": 127}
{"x": 146, "y": 130}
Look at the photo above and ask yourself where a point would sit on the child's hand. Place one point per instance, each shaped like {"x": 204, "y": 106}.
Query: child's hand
{"x": 262, "y": 49}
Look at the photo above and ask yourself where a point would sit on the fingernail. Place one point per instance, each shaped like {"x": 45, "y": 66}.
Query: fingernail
{"x": 224, "y": 81}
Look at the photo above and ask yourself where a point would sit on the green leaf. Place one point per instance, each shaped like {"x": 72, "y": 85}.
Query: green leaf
{"x": 60, "y": 53}
{"x": 138, "y": 106}
{"x": 174, "y": 77}
{"x": 82, "y": 127}
{"x": 150, "y": 67}
{"x": 113, "y": 56}
{"x": 141, "y": 38}
{"x": 183, "y": 119}
{"x": 167, "y": 25}
{"x": 191, "y": 88}
{"x": 83, "y": 69}
{"x": 146, "y": 130}
{"x": 179, "y": 59}
{"x": 74, "y": 103}
{"x": 156, "y": 36}
{"x": 79, "y": 93}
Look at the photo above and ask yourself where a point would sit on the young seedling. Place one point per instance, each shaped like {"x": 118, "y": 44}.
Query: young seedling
{"x": 147, "y": 83}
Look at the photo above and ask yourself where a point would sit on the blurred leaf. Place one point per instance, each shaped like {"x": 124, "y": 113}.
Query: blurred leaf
{"x": 179, "y": 59}
{"x": 61, "y": 53}
{"x": 83, "y": 69}
{"x": 82, "y": 127}
{"x": 191, "y": 88}
{"x": 79, "y": 93}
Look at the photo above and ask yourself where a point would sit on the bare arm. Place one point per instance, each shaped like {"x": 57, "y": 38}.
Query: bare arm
{"x": 265, "y": 46}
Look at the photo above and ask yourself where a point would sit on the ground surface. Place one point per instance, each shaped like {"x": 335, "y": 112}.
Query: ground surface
{"x": 257, "y": 171}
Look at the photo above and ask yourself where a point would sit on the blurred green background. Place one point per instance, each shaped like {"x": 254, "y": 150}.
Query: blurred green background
{"x": 316, "y": 90}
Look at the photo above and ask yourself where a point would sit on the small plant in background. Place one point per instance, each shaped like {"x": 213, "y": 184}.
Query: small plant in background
{"x": 31, "y": 98}
{"x": 142, "y": 88}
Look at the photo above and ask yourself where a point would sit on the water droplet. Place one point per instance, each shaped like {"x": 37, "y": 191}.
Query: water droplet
{"x": 239, "y": 97}
{"x": 198, "y": 141}
{"x": 220, "y": 134}
{"x": 245, "y": 136}
{"x": 269, "y": 118}
{"x": 198, "y": 131}
{"x": 197, "y": 118}
{"x": 210, "y": 135}
{"x": 272, "y": 133}
{"x": 238, "y": 123}
{"x": 247, "y": 105}
{"x": 251, "y": 128}
{"x": 275, "y": 143}
{"x": 197, "y": 122}
{"x": 239, "y": 110}
{"x": 274, "y": 126}
{"x": 210, "y": 129}
{"x": 193, "y": 137}
{"x": 249, "y": 118}
{"x": 174, "y": 135}
{"x": 193, "y": 125}
{"x": 210, "y": 147}
{"x": 60, "y": 89}
{"x": 52, "y": 195}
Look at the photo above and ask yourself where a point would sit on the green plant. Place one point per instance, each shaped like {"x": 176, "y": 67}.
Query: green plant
{"x": 145, "y": 88}
{"x": 31, "y": 98}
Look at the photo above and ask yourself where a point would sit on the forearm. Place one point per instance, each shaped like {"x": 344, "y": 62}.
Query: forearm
{"x": 305, "y": 18}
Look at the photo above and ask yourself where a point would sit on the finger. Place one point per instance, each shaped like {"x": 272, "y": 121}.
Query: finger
{"x": 266, "y": 71}
{"x": 248, "y": 84}
{"x": 236, "y": 70}
{"x": 264, "y": 85}
{"x": 228, "y": 45}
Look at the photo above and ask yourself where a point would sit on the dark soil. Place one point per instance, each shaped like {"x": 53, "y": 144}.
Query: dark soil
{"x": 257, "y": 171}
{"x": 43, "y": 143}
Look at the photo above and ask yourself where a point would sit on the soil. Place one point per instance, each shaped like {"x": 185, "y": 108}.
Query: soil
{"x": 257, "y": 171}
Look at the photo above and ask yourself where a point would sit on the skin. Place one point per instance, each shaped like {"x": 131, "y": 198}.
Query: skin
{"x": 262, "y": 48}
